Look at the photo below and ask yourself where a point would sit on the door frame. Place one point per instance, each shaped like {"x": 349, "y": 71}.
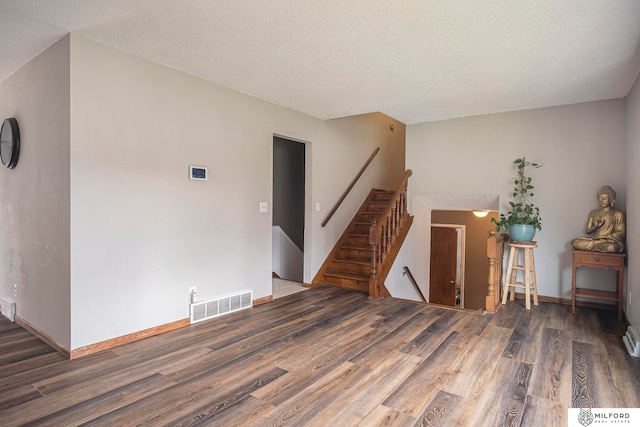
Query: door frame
{"x": 460, "y": 264}
{"x": 307, "y": 238}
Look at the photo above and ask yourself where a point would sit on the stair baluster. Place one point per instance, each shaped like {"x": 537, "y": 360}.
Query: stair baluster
{"x": 394, "y": 217}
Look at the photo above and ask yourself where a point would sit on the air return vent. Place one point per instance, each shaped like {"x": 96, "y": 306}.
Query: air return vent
{"x": 8, "y": 309}
{"x": 631, "y": 341}
{"x": 203, "y": 310}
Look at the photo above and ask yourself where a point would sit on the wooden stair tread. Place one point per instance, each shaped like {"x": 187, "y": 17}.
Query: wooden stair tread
{"x": 352, "y": 261}
{"x": 345, "y": 275}
{"x": 348, "y": 247}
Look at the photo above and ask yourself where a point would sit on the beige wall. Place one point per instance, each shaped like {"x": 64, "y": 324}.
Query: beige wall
{"x": 582, "y": 147}
{"x": 34, "y": 197}
{"x": 632, "y": 152}
{"x": 142, "y": 233}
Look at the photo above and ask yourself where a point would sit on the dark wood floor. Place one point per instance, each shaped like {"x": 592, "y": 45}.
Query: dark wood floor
{"x": 329, "y": 357}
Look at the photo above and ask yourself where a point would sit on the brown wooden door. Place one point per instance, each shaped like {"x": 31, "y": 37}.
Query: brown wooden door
{"x": 444, "y": 254}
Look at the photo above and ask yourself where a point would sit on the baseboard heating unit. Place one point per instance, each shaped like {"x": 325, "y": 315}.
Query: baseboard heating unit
{"x": 203, "y": 310}
{"x": 8, "y": 309}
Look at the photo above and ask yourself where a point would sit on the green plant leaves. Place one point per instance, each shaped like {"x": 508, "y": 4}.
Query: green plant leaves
{"x": 523, "y": 211}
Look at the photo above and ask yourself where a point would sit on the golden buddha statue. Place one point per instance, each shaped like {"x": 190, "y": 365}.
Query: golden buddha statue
{"x": 606, "y": 224}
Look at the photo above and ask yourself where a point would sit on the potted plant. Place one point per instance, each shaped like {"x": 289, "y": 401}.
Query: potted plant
{"x": 523, "y": 219}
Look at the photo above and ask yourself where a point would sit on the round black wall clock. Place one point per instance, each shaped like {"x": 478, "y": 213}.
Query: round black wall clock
{"x": 9, "y": 143}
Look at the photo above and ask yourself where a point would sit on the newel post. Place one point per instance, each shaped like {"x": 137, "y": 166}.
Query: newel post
{"x": 373, "y": 242}
{"x": 490, "y": 305}
{"x": 491, "y": 254}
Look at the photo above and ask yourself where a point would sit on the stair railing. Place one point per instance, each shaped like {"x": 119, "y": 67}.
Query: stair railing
{"x": 353, "y": 183}
{"x": 382, "y": 234}
{"x": 407, "y": 272}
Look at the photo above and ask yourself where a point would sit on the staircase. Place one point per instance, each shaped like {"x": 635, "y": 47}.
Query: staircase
{"x": 364, "y": 254}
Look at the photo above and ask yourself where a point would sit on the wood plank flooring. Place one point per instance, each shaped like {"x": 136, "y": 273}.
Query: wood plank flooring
{"x": 331, "y": 357}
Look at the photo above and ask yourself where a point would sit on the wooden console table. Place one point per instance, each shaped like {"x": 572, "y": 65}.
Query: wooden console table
{"x": 598, "y": 260}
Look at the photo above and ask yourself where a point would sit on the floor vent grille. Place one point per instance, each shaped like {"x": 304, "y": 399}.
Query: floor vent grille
{"x": 8, "y": 309}
{"x": 203, "y": 310}
{"x": 631, "y": 341}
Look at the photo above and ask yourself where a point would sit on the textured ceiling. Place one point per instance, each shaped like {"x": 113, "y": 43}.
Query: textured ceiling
{"x": 415, "y": 60}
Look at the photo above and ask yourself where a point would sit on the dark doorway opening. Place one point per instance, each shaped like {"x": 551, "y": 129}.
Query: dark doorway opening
{"x": 288, "y": 208}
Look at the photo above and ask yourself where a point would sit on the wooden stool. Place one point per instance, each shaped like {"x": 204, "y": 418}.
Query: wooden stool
{"x": 529, "y": 269}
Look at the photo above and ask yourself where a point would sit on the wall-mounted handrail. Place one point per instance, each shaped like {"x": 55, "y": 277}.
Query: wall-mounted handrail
{"x": 413, "y": 282}
{"x": 353, "y": 183}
